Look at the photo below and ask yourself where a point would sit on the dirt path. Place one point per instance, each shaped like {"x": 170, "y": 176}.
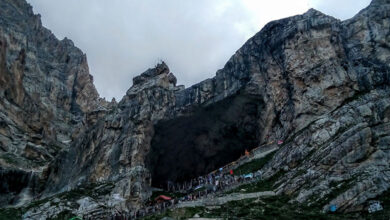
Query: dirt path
{"x": 214, "y": 201}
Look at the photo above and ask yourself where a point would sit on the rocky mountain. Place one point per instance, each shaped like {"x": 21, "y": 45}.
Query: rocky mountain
{"x": 46, "y": 93}
{"x": 319, "y": 84}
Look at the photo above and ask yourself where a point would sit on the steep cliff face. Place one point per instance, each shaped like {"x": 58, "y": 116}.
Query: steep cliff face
{"x": 45, "y": 93}
{"x": 115, "y": 148}
{"x": 318, "y": 83}
{"x": 338, "y": 142}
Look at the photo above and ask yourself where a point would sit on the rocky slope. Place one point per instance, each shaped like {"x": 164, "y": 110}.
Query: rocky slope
{"x": 46, "y": 92}
{"x": 318, "y": 83}
{"x": 341, "y": 145}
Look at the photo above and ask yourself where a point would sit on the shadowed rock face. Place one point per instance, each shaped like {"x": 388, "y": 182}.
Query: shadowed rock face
{"x": 318, "y": 83}
{"x": 210, "y": 137}
{"x": 15, "y": 181}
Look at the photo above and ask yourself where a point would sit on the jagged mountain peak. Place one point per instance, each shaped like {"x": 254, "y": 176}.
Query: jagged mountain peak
{"x": 159, "y": 76}
{"x": 159, "y": 69}
{"x": 314, "y": 13}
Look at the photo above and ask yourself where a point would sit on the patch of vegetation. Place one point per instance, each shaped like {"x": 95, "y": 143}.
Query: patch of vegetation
{"x": 66, "y": 214}
{"x": 277, "y": 207}
{"x": 262, "y": 185}
{"x": 11, "y": 214}
{"x": 384, "y": 199}
{"x": 9, "y": 158}
{"x": 340, "y": 188}
{"x": 37, "y": 203}
{"x": 254, "y": 165}
{"x": 94, "y": 190}
{"x": 181, "y": 213}
{"x": 16, "y": 213}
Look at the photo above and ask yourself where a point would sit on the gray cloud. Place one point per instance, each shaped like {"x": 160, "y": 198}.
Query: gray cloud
{"x": 342, "y": 9}
{"x": 122, "y": 38}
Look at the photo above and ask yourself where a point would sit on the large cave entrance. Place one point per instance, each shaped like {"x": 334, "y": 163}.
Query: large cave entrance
{"x": 210, "y": 137}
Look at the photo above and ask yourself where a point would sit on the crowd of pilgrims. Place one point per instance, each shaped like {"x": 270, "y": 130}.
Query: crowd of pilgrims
{"x": 202, "y": 187}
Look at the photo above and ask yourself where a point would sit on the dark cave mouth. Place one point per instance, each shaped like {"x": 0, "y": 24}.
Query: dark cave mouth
{"x": 212, "y": 136}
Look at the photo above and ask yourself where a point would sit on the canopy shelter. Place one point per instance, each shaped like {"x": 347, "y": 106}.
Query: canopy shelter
{"x": 162, "y": 198}
{"x": 249, "y": 175}
{"x": 198, "y": 187}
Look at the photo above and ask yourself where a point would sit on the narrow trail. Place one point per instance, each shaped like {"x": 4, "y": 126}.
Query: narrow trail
{"x": 214, "y": 201}
{"x": 255, "y": 153}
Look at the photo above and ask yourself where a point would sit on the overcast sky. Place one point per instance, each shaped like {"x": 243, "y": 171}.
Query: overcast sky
{"x": 122, "y": 38}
